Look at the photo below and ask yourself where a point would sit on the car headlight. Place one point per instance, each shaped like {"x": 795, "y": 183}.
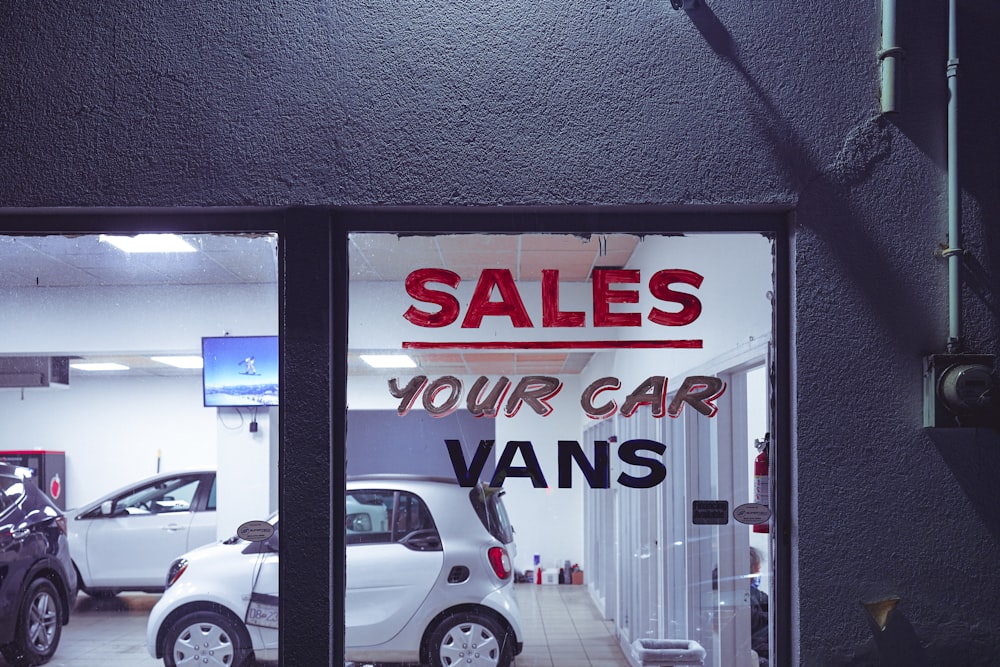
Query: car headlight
{"x": 177, "y": 568}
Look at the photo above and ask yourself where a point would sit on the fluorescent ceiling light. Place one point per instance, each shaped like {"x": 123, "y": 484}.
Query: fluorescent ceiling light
{"x": 179, "y": 361}
{"x": 149, "y": 243}
{"x": 388, "y": 361}
{"x": 97, "y": 366}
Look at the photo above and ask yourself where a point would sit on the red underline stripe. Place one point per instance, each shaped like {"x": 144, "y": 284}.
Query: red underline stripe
{"x": 560, "y": 345}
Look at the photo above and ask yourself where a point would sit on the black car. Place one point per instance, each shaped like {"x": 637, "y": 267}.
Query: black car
{"x": 37, "y": 581}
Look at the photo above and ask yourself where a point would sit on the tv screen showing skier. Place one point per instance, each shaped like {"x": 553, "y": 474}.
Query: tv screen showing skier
{"x": 240, "y": 371}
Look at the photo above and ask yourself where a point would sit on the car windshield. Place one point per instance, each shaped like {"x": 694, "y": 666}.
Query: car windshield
{"x": 490, "y": 509}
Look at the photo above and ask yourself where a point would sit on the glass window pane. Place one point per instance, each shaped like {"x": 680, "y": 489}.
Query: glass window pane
{"x": 105, "y": 405}
{"x": 600, "y": 399}
{"x": 170, "y": 495}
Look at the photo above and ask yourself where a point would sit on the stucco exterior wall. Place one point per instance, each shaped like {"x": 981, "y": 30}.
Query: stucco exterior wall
{"x": 766, "y": 104}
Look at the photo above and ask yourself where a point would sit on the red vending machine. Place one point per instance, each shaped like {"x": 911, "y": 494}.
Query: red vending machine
{"x": 48, "y": 471}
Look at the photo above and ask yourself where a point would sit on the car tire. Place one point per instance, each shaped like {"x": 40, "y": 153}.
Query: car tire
{"x": 207, "y": 638}
{"x": 470, "y": 639}
{"x": 39, "y": 626}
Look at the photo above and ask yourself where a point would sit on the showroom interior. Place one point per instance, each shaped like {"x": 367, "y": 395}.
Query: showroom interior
{"x": 145, "y": 416}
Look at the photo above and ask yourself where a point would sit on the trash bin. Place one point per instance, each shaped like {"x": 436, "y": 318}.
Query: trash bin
{"x": 668, "y": 652}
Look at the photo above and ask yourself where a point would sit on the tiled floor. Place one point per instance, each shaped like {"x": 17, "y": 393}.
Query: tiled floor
{"x": 562, "y": 629}
{"x": 106, "y": 633}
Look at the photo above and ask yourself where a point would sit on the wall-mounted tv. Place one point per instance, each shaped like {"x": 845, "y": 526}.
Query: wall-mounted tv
{"x": 240, "y": 371}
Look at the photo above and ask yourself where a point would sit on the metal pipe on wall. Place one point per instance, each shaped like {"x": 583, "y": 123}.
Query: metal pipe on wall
{"x": 887, "y": 55}
{"x": 954, "y": 250}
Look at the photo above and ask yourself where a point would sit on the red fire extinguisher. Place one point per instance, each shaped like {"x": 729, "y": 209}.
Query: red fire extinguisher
{"x": 762, "y": 479}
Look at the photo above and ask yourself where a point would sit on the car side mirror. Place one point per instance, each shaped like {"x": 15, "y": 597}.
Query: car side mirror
{"x": 108, "y": 509}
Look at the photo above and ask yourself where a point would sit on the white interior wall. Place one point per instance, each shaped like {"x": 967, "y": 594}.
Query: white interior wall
{"x": 112, "y": 429}
{"x": 242, "y": 455}
{"x": 113, "y": 426}
{"x": 549, "y": 521}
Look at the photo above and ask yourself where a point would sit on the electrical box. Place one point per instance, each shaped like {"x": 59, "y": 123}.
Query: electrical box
{"x": 960, "y": 390}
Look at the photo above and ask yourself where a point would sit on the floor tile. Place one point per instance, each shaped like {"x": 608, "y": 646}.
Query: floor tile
{"x": 564, "y": 621}
{"x": 562, "y": 629}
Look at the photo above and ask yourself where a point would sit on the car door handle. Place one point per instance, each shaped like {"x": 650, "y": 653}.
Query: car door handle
{"x": 422, "y": 540}
{"x": 173, "y": 527}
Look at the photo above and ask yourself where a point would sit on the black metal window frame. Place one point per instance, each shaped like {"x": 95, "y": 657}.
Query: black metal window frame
{"x": 313, "y": 287}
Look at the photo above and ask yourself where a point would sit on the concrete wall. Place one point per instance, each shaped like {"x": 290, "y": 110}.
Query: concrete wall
{"x": 734, "y": 104}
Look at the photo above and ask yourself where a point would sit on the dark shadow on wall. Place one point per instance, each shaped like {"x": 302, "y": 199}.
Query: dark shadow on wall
{"x": 897, "y": 643}
{"x": 922, "y": 120}
{"x": 978, "y": 280}
{"x": 894, "y": 645}
{"x": 828, "y": 206}
{"x": 922, "y": 32}
{"x": 824, "y": 191}
{"x": 973, "y": 456}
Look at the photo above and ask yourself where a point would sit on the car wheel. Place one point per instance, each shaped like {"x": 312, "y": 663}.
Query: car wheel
{"x": 470, "y": 639}
{"x": 206, "y": 638}
{"x": 39, "y": 626}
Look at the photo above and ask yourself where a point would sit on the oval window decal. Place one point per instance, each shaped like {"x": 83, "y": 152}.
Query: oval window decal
{"x": 255, "y": 531}
{"x": 752, "y": 513}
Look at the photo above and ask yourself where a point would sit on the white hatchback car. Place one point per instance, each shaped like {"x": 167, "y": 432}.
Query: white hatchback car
{"x": 429, "y": 581}
{"x": 127, "y": 539}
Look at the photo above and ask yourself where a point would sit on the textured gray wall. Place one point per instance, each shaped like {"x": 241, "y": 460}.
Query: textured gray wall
{"x": 451, "y": 102}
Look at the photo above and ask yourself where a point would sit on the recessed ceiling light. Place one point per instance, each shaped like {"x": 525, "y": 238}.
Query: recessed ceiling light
{"x": 97, "y": 366}
{"x": 149, "y": 243}
{"x": 180, "y": 361}
{"x": 388, "y": 361}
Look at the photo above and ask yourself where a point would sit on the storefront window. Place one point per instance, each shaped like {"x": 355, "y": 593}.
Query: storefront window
{"x": 138, "y": 395}
{"x": 528, "y": 412}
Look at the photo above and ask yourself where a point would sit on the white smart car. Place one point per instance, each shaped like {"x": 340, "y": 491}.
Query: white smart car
{"x": 221, "y": 603}
{"x": 429, "y": 581}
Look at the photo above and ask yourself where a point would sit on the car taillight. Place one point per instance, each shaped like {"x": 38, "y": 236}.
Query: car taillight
{"x": 499, "y": 561}
{"x": 177, "y": 568}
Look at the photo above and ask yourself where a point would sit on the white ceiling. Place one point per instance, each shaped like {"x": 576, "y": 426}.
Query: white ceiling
{"x": 86, "y": 261}
{"x": 389, "y": 257}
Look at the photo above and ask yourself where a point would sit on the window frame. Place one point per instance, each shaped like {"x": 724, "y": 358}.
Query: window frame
{"x": 313, "y": 285}
{"x": 775, "y": 223}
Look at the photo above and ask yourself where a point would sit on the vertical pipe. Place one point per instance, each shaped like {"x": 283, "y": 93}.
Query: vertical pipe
{"x": 887, "y": 55}
{"x": 954, "y": 252}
